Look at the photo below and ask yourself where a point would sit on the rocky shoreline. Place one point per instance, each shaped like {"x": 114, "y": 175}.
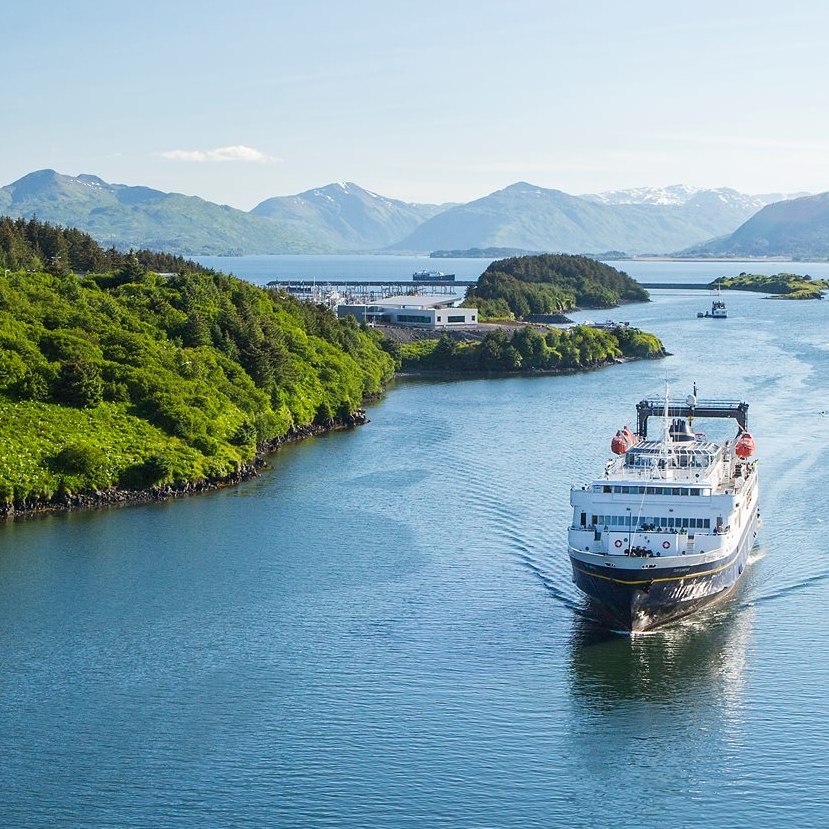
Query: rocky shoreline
{"x": 125, "y": 497}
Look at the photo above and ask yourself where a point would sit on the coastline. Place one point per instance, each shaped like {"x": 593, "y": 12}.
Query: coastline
{"x": 117, "y": 497}
{"x": 454, "y": 374}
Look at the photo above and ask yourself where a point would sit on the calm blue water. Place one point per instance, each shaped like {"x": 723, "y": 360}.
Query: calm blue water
{"x": 381, "y": 630}
{"x": 262, "y": 269}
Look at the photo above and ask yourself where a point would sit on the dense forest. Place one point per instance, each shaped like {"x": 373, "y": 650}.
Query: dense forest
{"x": 141, "y": 372}
{"x": 549, "y": 284}
{"x": 783, "y": 285}
{"x": 125, "y": 377}
{"x": 530, "y": 349}
{"x": 32, "y": 245}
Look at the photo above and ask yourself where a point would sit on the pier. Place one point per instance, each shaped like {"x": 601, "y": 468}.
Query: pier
{"x": 687, "y": 286}
{"x": 350, "y": 290}
{"x": 334, "y": 291}
{"x": 402, "y": 286}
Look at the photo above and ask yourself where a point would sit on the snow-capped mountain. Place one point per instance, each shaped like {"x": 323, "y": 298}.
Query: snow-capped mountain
{"x": 680, "y": 194}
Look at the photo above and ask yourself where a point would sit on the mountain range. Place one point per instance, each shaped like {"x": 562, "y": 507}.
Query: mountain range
{"x": 534, "y": 218}
{"x": 345, "y": 218}
{"x": 127, "y": 217}
{"x": 798, "y": 228}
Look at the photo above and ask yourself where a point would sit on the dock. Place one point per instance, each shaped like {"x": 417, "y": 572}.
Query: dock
{"x": 332, "y": 291}
{"x": 353, "y": 291}
{"x": 401, "y": 286}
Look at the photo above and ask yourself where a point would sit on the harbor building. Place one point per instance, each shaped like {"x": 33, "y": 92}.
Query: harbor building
{"x": 414, "y": 311}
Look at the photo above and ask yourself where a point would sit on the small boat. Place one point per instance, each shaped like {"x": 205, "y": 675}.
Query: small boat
{"x": 668, "y": 527}
{"x": 608, "y": 325}
{"x": 718, "y": 310}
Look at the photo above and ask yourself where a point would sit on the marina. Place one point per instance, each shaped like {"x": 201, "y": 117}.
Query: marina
{"x": 353, "y": 291}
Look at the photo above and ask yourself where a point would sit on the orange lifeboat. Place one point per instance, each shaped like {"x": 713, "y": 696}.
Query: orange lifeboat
{"x": 631, "y": 438}
{"x": 744, "y": 448}
{"x": 619, "y": 445}
{"x": 623, "y": 440}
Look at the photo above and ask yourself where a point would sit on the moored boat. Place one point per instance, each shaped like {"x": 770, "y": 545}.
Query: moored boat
{"x": 432, "y": 276}
{"x": 668, "y": 527}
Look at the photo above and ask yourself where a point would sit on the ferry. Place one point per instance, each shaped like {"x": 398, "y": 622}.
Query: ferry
{"x": 668, "y": 527}
{"x": 433, "y": 276}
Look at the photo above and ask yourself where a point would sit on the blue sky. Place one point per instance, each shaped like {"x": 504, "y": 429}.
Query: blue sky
{"x": 422, "y": 101}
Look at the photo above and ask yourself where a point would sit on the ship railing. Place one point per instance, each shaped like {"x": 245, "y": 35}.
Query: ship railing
{"x": 694, "y": 542}
{"x": 657, "y": 402}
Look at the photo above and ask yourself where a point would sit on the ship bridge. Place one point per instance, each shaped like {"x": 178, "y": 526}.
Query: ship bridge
{"x": 691, "y": 408}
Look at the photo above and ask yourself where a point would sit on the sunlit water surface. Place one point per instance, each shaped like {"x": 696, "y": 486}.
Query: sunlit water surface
{"x": 381, "y": 630}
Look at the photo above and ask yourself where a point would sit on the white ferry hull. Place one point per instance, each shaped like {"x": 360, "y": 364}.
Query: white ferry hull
{"x": 640, "y": 599}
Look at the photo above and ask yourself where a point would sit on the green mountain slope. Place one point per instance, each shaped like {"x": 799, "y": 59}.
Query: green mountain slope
{"x": 533, "y": 218}
{"x": 130, "y": 379}
{"x": 133, "y": 217}
{"x": 358, "y": 218}
{"x": 798, "y": 228}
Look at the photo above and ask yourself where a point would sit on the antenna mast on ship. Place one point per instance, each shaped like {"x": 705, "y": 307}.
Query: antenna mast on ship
{"x": 666, "y": 431}
{"x": 691, "y": 401}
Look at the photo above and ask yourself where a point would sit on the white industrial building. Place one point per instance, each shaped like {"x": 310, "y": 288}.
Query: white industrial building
{"x": 414, "y": 311}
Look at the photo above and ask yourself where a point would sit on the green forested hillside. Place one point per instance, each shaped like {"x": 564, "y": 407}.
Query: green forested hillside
{"x": 33, "y": 245}
{"x": 528, "y": 349}
{"x": 132, "y": 379}
{"x": 550, "y": 283}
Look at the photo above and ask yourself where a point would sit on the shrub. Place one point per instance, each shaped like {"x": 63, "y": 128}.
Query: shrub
{"x": 79, "y": 459}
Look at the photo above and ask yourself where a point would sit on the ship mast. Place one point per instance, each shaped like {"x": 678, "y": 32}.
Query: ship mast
{"x": 666, "y": 450}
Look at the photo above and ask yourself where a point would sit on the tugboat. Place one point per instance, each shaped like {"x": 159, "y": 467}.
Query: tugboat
{"x": 668, "y": 527}
{"x": 718, "y": 310}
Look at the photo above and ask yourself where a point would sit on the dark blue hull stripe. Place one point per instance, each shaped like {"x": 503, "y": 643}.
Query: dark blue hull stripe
{"x": 646, "y": 600}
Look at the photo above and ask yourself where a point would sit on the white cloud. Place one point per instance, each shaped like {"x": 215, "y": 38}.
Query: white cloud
{"x": 237, "y": 153}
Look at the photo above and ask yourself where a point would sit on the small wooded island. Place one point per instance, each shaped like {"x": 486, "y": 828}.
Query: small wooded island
{"x": 150, "y": 376}
{"x": 534, "y": 288}
{"x": 782, "y": 285}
